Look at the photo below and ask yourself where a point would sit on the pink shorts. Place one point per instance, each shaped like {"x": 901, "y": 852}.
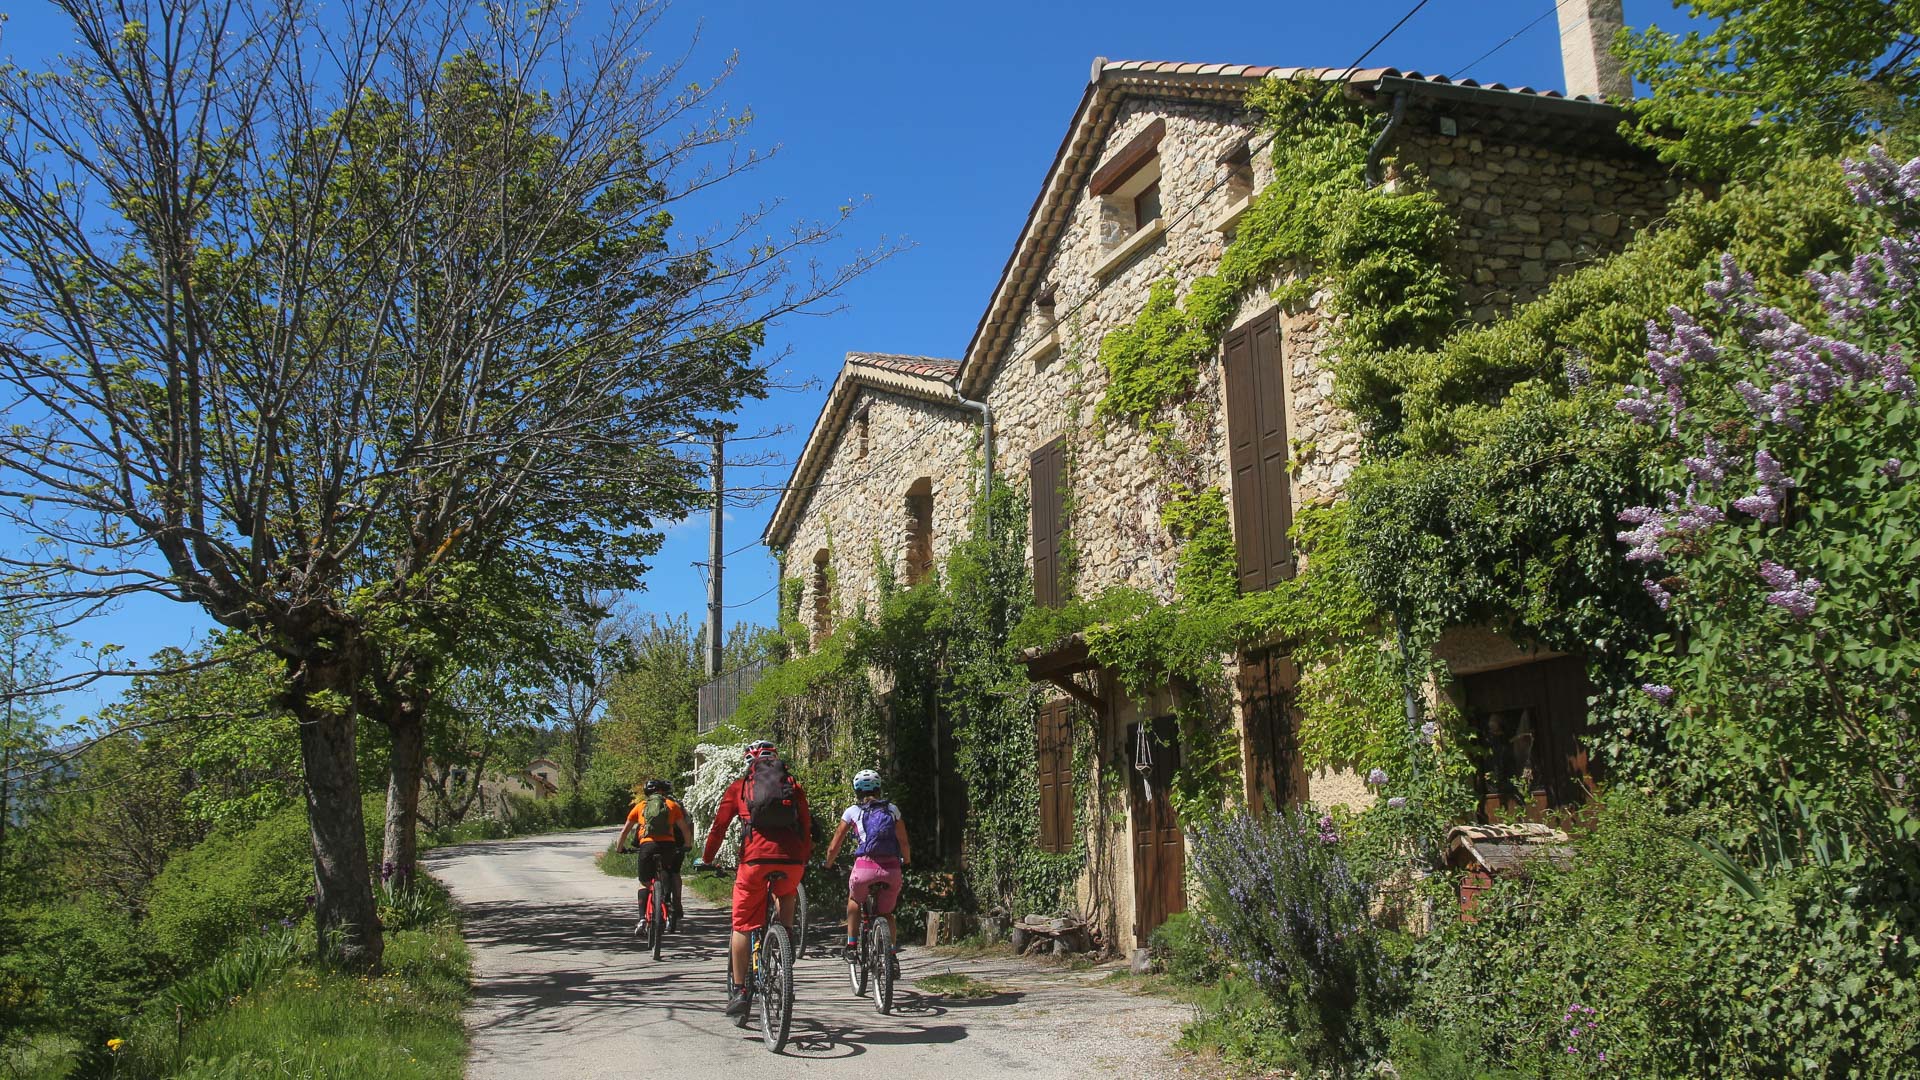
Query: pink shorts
{"x": 868, "y": 871}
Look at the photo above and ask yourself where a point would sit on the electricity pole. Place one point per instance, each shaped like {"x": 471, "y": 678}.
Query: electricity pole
{"x": 716, "y": 556}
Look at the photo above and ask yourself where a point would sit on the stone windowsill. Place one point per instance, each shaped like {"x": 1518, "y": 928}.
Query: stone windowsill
{"x": 1130, "y": 247}
{"x": 1232, "y": 214}
{"x": 1042, "y": 351}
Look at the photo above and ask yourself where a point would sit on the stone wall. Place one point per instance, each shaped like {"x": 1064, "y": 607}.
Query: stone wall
{"x": 858, "y": 508}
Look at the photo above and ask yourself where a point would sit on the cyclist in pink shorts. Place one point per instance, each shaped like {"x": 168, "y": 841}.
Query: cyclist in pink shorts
{"x": 881, "y": 850}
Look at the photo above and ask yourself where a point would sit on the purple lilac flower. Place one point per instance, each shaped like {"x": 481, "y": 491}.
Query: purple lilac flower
{"x": 1791, "y": 592}
{"x": 1710, "y": 468}
{"x": 1891, "y": 470}
{"x": 1660, "y": 595}
{"x": 1644, "y": 541}
{"x": 1659, "y": 692}
{"x": 1896, "y": 375}
{"x": 1428, "y": 730}
{"x": 1638, "y": 405}
{"x": 1732, "y": 286}
{"x": 1878, "y": 180}
{"x": 1398, "y": 802}
{"x": 1847, "y": 294}
{"x": 1378, "y": 777}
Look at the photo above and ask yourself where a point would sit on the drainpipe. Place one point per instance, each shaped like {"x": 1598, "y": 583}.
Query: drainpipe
{"x": 986, "y": 441}
{"x": 1379, "y": 147}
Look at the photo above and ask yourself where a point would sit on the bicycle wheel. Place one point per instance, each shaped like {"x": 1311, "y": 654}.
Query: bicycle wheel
{"x": 800, "y": 923}
{"x": 656, "y": 919}
{"x": 857, "y": 969}
{"x": 776, "y": 987}
{"x": 881, "y": 951}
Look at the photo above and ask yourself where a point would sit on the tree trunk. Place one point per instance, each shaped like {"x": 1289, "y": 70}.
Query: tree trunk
{"x": 401, "y": 847}
{"x": 345, "y": 920}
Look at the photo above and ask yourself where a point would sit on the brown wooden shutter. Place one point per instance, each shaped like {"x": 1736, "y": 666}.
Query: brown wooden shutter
{"x": 1270, "y": 377}
{"x": 1046, "y": 473}
{"x": 1258, "y": 454}
{"x": 1275, "y": 770}
{"x": 1243, "y": 462}
{"x": 1053, "y": 743}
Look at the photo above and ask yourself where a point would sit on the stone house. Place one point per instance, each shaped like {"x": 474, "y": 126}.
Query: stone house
{"x": 1157, "y": 166}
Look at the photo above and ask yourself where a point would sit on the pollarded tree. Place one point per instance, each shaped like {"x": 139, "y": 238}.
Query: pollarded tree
{"x": 318, "y": 319}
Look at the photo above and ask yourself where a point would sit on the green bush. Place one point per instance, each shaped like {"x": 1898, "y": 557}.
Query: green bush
{"x": 1181, "y": 949}
{"x": 1642, "y": 952}
{"x": 230, "y": 884}
{"x": 1241, "y": 1025}
{"x": 1282, "y": 899}
{"x": 72, "y": 968}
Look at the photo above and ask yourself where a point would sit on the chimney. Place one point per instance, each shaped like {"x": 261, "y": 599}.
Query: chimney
{"x": 1587, "y": 28}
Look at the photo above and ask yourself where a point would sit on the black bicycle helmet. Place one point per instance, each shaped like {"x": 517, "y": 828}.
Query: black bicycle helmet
{"x": 657, "y": 787}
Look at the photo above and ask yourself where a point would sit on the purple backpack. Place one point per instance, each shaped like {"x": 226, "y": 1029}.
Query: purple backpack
{"x": 877, "y": 839}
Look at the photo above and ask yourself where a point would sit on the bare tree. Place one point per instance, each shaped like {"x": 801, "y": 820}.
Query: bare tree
{"x": 328, "y": 324}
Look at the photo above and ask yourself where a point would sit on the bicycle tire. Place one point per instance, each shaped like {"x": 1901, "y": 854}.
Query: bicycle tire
{"x": 656, "y": 918}
{"x": 881, "y": 935}
{"x": 776, "y": 987}
{"x": 800, "y": 922}
{"x": 857, "y": 970}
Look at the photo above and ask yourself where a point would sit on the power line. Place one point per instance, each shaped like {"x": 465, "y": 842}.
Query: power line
{"x": 1511, "y": 38}
{"x": 1415, "y": 10}
{"x": 755, "y": 600}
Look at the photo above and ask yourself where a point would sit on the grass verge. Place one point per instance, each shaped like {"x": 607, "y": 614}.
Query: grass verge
{"x": 709, "y": 886}
{"x": 267, "y": 1011}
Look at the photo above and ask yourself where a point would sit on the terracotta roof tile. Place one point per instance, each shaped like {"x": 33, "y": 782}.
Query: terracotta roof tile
{"x": 1362, "y": 75}
{"x": 931, "y": 366}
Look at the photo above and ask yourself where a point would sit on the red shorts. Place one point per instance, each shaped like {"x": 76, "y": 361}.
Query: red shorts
{"x": 750, "y": 892}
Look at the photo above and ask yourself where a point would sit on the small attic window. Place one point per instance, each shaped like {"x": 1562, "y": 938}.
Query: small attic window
{"x": 1238, "y": 163}
{"x": 1043, "y": 307}
{"x": 1128, "y": 187}
{"x": 860, "y": 435}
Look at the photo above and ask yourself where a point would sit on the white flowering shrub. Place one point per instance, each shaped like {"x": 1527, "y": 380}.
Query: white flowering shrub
{"x": 719, "y": 766}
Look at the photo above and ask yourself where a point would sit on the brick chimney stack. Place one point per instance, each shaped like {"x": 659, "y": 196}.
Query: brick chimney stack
{"x": 1587, "y": 28}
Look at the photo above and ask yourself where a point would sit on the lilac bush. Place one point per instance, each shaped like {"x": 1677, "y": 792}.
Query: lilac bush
{"x": 1784, "y": 552}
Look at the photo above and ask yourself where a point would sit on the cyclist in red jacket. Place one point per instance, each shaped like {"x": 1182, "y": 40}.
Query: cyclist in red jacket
{"x": 767, "y": 850}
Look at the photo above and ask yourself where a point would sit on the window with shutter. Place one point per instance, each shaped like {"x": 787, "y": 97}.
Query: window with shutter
{"x": 1046, "y": 475}
{"x": 1053, "y": 743}
{"x": 1258, "y": 454}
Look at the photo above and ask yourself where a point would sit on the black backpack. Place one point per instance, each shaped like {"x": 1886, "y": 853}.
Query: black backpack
{"x": 772, "y": 799}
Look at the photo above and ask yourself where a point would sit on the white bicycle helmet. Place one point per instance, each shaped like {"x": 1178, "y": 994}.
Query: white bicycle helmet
{"x": 866, "y": 782}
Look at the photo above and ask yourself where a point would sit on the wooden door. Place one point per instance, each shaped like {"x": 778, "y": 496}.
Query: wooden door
{"x": 1276, "y": 774}
{"x": 1159, "y": 848}
{"x": 1532, "y": 720}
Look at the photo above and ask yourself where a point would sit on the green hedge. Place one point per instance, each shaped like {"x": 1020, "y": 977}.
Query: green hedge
{"x": 231, "y": 884}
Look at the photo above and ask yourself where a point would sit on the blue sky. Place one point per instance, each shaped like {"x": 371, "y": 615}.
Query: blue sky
{"x": 944, "y": 119}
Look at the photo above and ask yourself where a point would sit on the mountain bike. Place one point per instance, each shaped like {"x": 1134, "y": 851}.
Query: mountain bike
{"x": 656, "y": 901}
{"x": 875, "y": 960}
{"x": 770, "y": 959}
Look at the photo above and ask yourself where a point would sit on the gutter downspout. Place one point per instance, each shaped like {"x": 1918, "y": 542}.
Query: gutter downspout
{"x": 986, "y": 442}
{"x": 1379, "y": 147}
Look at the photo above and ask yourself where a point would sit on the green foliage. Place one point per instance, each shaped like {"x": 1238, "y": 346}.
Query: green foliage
{"x": 228, "y": 885}
{"x": 1380, "y": 252}
{"x": 1808, "y": 745}
{"x": 1182, "y": 949}
{"x": 1771, "y": 79}
{"x": 306, "y": 1020}
{"x": 1280, "y": 896}
{"x": 70, "y": 967}
{"x": 1242, "y": 1026}
{"x": 1683, "y": 977}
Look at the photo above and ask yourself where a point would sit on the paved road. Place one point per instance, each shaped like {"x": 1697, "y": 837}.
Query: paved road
{"x": 562, "y": 990}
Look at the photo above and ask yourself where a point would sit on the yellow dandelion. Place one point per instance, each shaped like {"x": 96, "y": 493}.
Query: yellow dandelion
{"x": 114, "y": 1045}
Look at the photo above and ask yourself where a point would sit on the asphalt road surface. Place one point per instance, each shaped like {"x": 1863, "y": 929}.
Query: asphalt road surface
{"x": 562, "y": 989}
